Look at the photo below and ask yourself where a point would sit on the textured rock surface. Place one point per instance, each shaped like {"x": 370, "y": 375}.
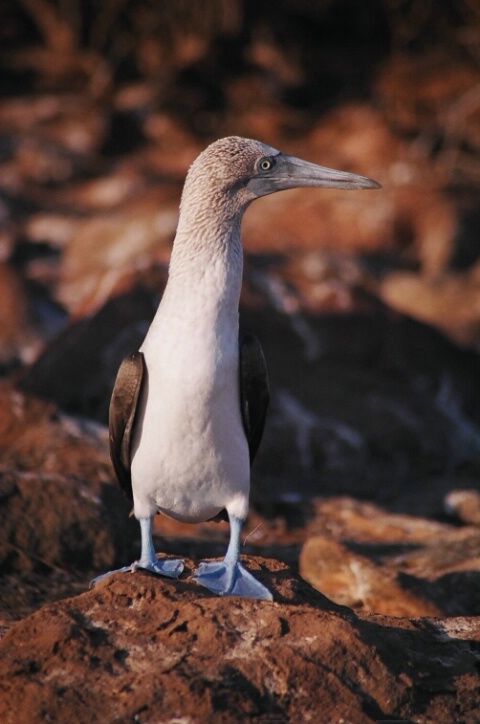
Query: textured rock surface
{"x": 60, "y": 514}
{"x": 137, "y": 648}
{"x": 399, "y": 565}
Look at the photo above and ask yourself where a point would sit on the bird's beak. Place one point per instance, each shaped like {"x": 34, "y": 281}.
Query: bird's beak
{"x": 290, "y": 173}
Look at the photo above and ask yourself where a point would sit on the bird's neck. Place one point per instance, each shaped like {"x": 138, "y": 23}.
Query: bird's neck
{"x": 205, "y": 274}
{"x": 201, "y": 242}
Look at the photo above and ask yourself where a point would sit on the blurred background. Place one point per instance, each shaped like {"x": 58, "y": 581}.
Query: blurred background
{"x": 367, "y": 304}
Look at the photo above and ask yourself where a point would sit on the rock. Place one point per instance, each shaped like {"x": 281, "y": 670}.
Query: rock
{"x": 55, "y": 531}
{"x": 368, "y": 405}
{"x": 62, "y": 517}
{"x": 36, "y": 437}
{"x": 150, "y": 649}
{"x": 449, "y": 304}
{"x": 354, "y": 580}
{"x": 19, "y": 339}
{"x": 60, "y": 521}
{"x": 102, "y": 193}
{"x": 173, "y": 148}
{"x": 419, "y": 96}
{"x": 105, "y": 251}
{"x": 465, "y": 505}
{"x": 78, "y": 368}
{"x": 396, "y": 565}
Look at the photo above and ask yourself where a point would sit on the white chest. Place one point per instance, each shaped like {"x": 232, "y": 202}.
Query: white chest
{"x": 190, "y": 455}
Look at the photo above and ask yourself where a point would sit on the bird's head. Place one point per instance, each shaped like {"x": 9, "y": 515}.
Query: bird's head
{"x": 239, "y": 170}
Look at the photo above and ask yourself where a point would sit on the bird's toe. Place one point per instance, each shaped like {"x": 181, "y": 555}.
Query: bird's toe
{"x": 162, "y": 567}
{"x": 230, "y": 580}
{"x": 98, "y": 579}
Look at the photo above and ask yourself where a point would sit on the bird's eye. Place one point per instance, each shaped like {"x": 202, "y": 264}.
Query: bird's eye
{"x": 266, "y": 164}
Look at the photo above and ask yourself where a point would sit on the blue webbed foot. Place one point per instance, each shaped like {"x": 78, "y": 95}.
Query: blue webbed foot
{"x": 226, "y": 579}
{"x": 162, "y": 567}
{"x": 96, "y": 580}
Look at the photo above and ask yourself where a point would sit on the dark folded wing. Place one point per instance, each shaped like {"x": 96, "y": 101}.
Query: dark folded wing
{"x": 254, "y": 391}
{"x": 122, "y": 413}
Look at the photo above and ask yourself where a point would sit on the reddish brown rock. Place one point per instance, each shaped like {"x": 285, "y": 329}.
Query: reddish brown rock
{"x": 104, "y": 252}
{"x": 36, "y": 437}
{"x": 465, "y": 505}
{"x": 354, "y": 580}
{"x": 433, "y": 94}
{"x": 101, "y": 252}
{"x": 144, "y": 648}
{"x": 450, "y": 304}
{"x": 60, "y": 521}
{"x": 18, "y": 337}
{"x": 397, "y": 565}
{"x": 61, "y": 514}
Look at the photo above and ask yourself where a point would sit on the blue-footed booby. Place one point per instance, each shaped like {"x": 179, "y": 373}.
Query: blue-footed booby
{"x": 188, "y": 409}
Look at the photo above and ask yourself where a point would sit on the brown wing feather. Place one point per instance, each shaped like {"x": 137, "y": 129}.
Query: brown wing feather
{"x": 122, "y": 413}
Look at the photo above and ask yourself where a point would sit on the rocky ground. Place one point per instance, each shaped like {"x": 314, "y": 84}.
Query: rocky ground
{"x": 153, "y": 650}
{"x": 365, "y": 518}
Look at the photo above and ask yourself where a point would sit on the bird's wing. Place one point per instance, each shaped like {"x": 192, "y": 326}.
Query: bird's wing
{"x": 254, "y": 391}
{"x": 123, "y": 408}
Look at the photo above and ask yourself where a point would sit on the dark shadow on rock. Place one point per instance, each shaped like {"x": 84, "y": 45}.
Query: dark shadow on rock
{"x": 261, "y": 704}
{"x": 456, "y": 593}
{"x": 78, "y": 368}
{"x": 372, "y": 405}
{"x": 123, "y": 528}
{"x": 379, "y": 552}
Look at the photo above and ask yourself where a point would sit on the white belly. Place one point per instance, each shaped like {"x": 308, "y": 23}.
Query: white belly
{"x": 190, "y": 454}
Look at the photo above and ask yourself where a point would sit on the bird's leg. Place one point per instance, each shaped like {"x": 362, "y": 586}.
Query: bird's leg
{"x": 229, "y": 577}
{"x": 148, "y": 558}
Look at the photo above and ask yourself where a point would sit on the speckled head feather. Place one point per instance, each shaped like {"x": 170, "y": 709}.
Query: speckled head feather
{"x": 229, "y": 161}
{"x": 216, "y": 192}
